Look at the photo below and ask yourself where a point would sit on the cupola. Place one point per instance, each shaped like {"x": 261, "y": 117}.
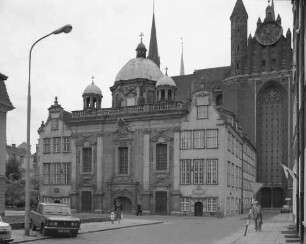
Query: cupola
{"x": 141, "y": 50}
{"x": 165, "y": 89}
{"x": 92, "y": 96}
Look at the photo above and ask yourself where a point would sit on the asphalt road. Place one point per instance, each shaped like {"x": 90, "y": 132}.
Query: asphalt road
{"x": 174, "y": 230}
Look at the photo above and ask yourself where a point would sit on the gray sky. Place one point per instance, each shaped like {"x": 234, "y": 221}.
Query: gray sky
{"x": 104, "y": 37}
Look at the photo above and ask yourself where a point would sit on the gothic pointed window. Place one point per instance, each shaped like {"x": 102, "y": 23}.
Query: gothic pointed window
{"x": 271, "y": 136}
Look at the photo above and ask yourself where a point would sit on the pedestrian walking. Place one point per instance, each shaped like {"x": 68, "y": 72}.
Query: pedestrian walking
{"x": 139, "y": 210}
{"x": 257, "y": 216}
{"x": 112, "y": 217}
{"x": 118, "y": 212}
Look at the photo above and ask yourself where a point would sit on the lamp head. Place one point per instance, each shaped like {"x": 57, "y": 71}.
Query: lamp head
{"x": 66, "y": 29}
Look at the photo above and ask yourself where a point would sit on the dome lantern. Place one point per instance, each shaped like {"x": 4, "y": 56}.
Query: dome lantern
{"x": 165, "y": 88}
{"x": 92, "y": 96}
{"x": 141, "y": 50}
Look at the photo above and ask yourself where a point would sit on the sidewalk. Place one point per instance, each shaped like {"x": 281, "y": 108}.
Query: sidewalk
{"x": 19, "y": 236}
{"x": 275, "y": 230}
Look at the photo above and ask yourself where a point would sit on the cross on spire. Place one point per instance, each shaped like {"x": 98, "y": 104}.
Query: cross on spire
{"x": 141, "y": 35}
{"x": 92, "y": 79}
{"x": 166, "y": 69}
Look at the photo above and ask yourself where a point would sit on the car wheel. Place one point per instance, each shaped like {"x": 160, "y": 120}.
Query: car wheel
{"x": 74, "y": 233}
{"x": 43, "y": 230}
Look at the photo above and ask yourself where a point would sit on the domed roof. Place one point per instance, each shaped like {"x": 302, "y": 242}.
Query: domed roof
{"x": 165, "y": 81}
{"x": 92, "y": 89}
{"x": 139, "y": 68}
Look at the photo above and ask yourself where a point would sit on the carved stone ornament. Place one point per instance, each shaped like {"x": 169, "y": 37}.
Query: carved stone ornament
{"x": 123, "y": 129}
{"x": 198, "y": 191}
{"x": 86, "y": 180}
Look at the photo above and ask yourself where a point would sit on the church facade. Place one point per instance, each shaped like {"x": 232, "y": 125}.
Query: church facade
{"x": 177, "y": 145}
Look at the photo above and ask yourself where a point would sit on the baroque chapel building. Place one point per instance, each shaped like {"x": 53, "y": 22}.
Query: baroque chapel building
{"x": 183, "y": 144}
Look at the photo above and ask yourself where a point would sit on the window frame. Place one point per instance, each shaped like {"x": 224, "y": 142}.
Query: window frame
{"x": 185, "y": 174}
{"x": 186, "y": 143}
{"x": 200, "y": 112}
{"x": 45, "y": 144}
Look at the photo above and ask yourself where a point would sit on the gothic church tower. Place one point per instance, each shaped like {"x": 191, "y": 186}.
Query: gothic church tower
{"x": 239, "y": 30}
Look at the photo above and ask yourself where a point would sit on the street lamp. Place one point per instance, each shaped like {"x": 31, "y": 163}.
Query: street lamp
{"x": 64, "y": 29}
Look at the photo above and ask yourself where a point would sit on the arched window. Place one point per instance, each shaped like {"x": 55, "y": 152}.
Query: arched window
{"x": 219, "y": 100}
{"x": 118, "y": 101}
{"x": 169, "y": 95}
{"x": 271, "y": 134}
{"x": 88, "y": 102}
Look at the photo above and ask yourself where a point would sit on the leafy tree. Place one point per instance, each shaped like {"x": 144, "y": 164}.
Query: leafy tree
{"x": 13, "y": 169}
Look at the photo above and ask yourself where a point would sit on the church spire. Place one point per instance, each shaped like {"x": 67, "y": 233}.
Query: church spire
{"x": 273, "y": 11}
{"x": 153, "y": 49}
{"x": 182, "y": 70}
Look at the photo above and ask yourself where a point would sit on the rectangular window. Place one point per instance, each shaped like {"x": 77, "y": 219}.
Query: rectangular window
{"x": 185, "y": 204}
{"x": 66, "y": 144}
{"x": 212, "y": 171}
{"x": 233, "y": 174}
{"x": 228, "y": 207}
{"x": 198, "y": 171}
{"x": 229, "y": 141}
{"x": 228, "y": 173}
{"x": 211, "y": 138}
{"x": 47, "y": 173}
{"x": 47, "y": 145}
{"x": 54, "y": 124}
{"x": 233, "y": 144}
{"x": 66, "y": 200}
{"x": 211, "y": 204}
{"x": 186, "y": 140}
{"x": 202, "y": 112}
{"x": 56, "y": 144}
{"x": 161, "y": 156}
{"x": 66, "y": 172}
{"x": 123, "y": 160}
{"x": 198, "y": 139}
{"x": 237, "y": 177}
{"x": 56, "y": 173}
{"x": 87, "y": 159}
{"x": 185, "y": 172}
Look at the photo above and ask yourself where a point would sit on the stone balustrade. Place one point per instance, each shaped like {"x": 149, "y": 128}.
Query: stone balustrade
{"x": 179, "y": 105}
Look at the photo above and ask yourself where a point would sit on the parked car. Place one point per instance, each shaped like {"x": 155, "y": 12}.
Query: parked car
{"x": 5, "y": 232}
{"x": 286, "y": 209}
{"x": 54, "y": 218}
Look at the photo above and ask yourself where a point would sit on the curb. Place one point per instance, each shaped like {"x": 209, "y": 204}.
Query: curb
{"x": 91, "y": 231}
{"x": 20, "y": 225}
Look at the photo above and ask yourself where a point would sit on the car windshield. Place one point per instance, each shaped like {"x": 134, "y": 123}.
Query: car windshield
{"x": 57, "y": 210}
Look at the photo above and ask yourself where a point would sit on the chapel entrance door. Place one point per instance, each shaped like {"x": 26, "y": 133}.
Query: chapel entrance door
{"x": 161, "y": 202}
{"x": 86, "y": 201}
{"x": 198, "y": 209}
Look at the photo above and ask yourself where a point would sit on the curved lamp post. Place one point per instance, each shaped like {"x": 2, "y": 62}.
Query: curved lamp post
{"x": 64, "y": 29}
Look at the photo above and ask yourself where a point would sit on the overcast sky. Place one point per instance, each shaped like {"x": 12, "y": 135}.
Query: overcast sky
{"x": 104, "y": 37}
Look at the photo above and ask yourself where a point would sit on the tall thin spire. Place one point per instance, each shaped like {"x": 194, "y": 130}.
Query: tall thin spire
{"x": 273, "y": 11}
{"x": 182, "y": 70}
{"x": 153, "y": 49}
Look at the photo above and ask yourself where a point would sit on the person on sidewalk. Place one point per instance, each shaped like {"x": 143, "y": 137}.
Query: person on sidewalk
{"x": 112, "y": 217}
{"x": 257, "y": 216}
{"x": 118, "y": 212}
{"x": 139, "y": 210}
